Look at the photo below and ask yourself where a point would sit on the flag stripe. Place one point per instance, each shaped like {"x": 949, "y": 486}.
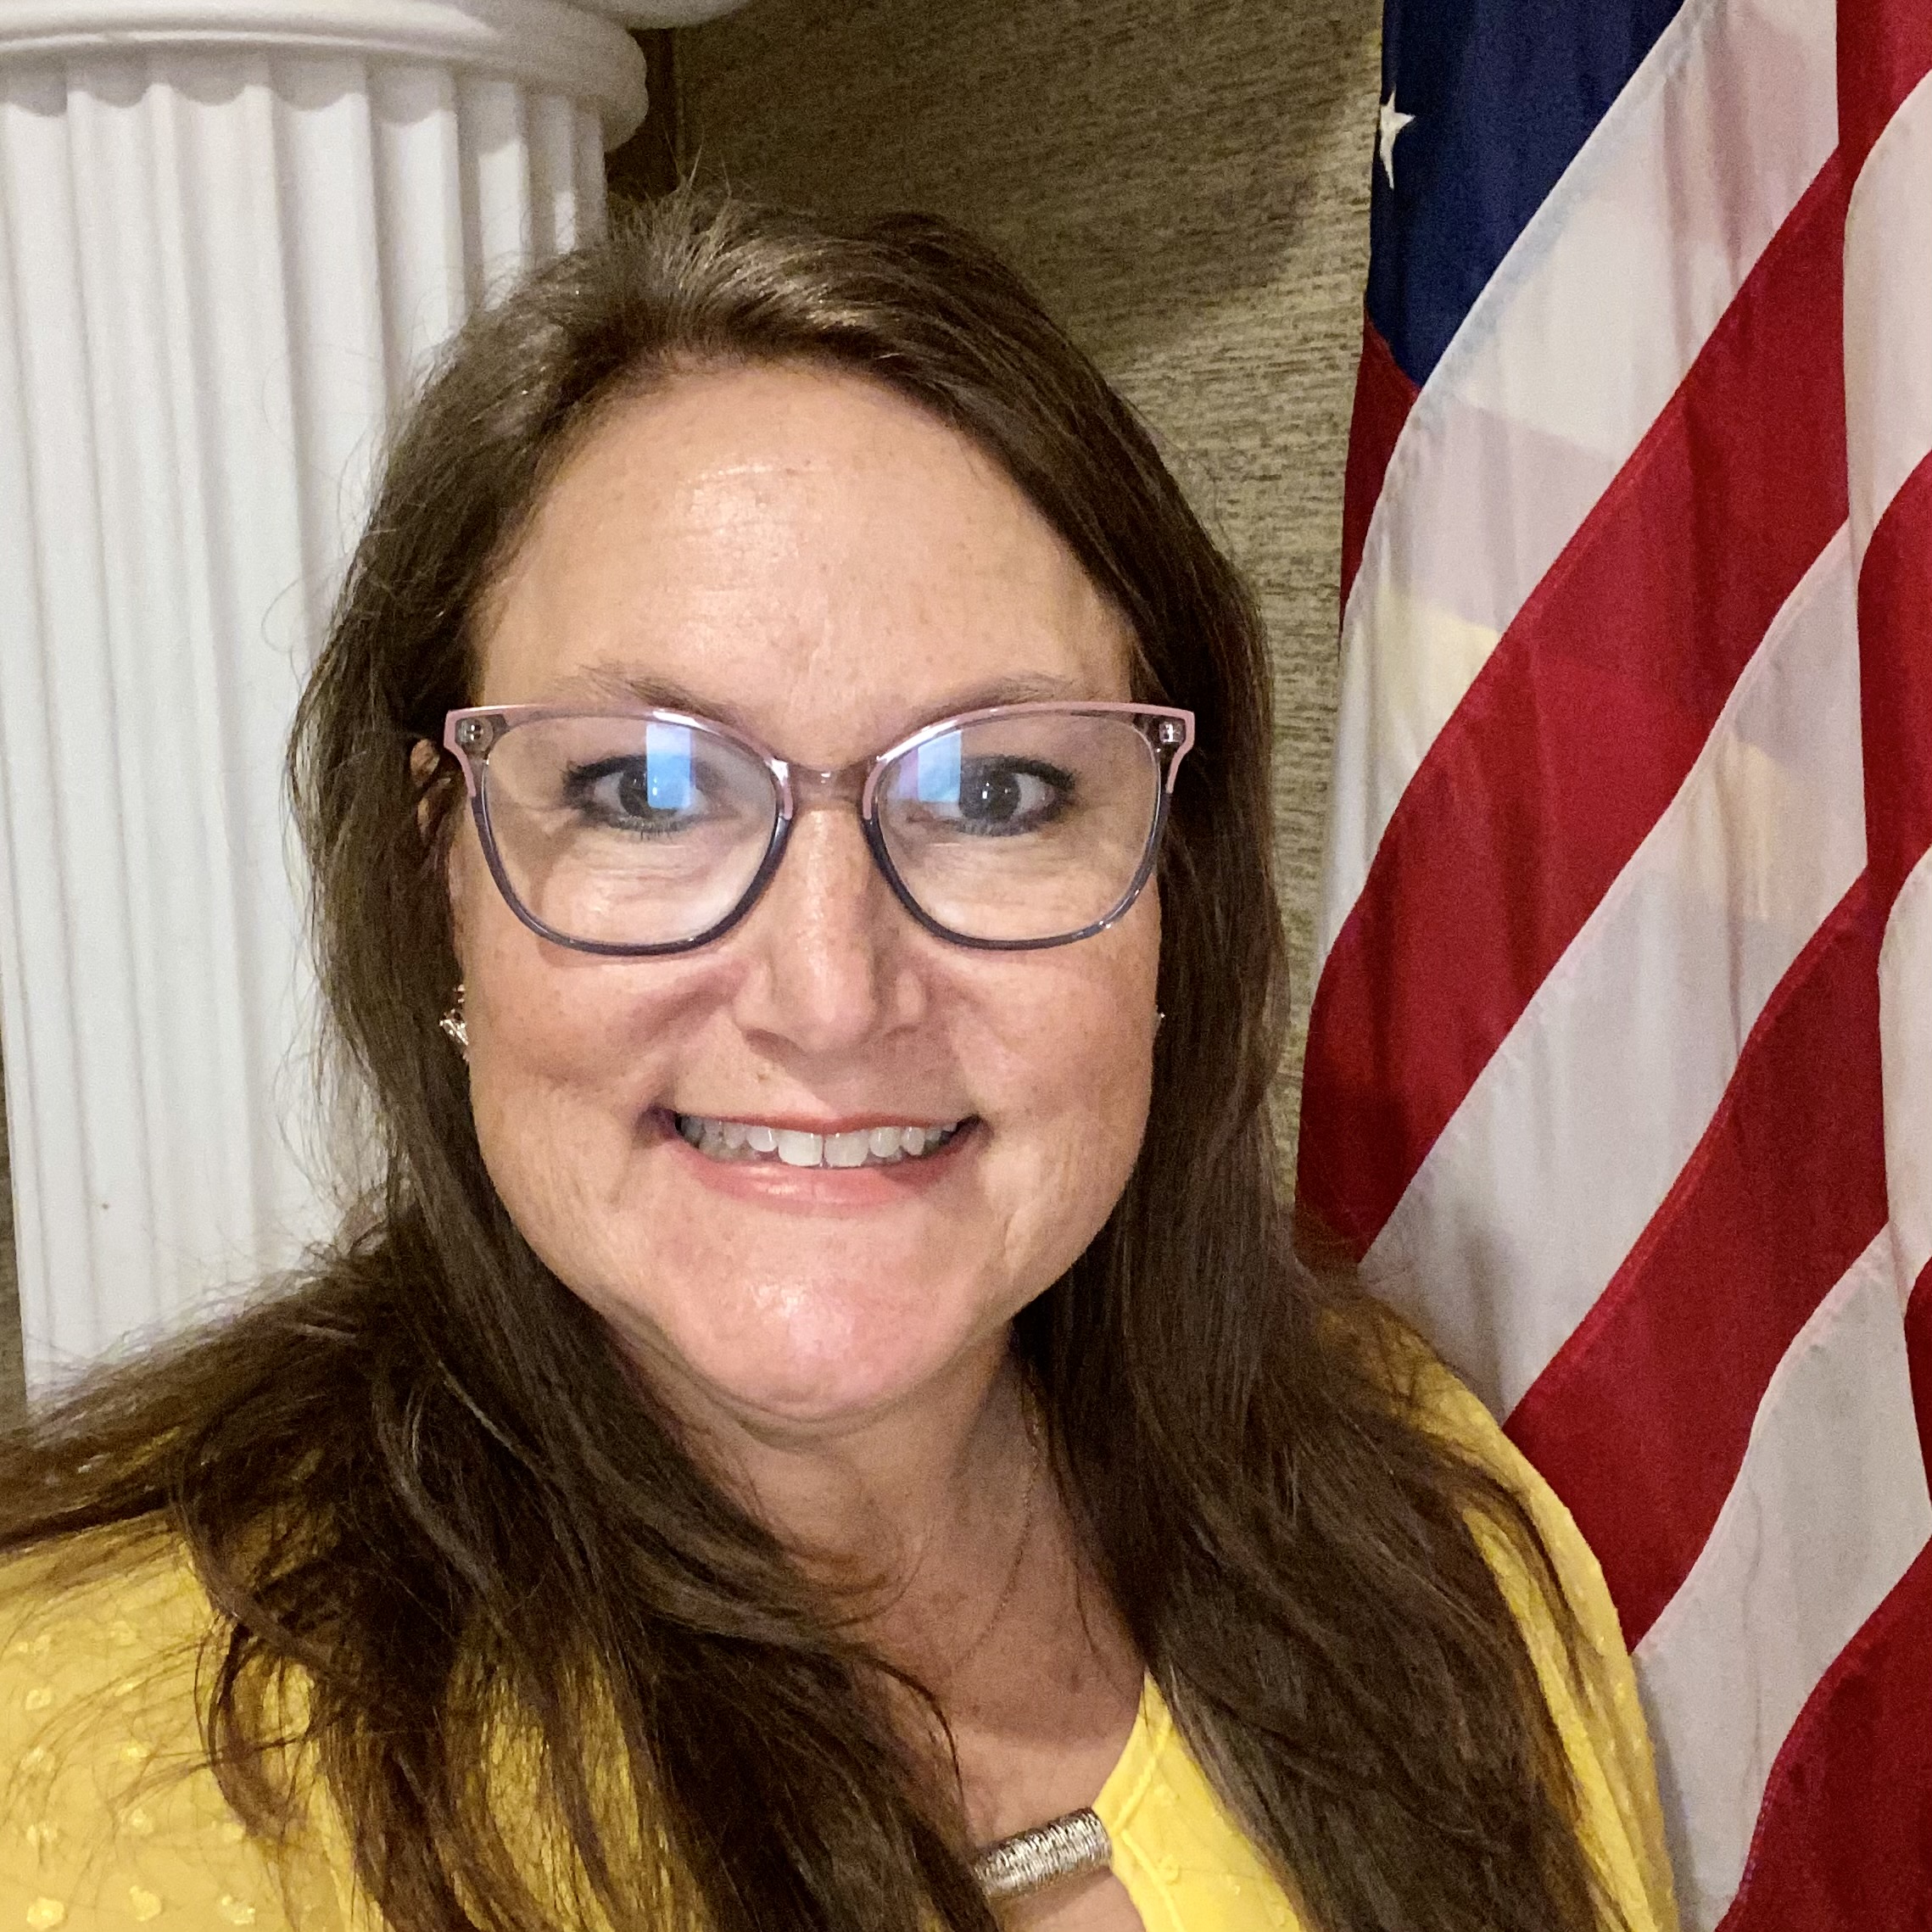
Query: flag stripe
{"x": 1895, "y": 617}
{"x": 1861, "y": 1749}
{"x": 1383, "y": 399}
{"x": 1640, "y": 1422}
{"x": 1612, "y": 677}
{"x": 1918, "y": 1350}
{"x": 1789, "y": 1576}
{"x": 1574, "y": 1132}
{"x": 1905, "y": 1007}
{"x": 1538, "y": 405}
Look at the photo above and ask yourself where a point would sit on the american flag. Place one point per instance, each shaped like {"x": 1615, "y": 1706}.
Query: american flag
{"x": 1619, "y": 1071}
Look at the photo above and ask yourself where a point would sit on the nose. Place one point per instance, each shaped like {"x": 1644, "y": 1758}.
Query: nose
{"x": 826, "y": 941}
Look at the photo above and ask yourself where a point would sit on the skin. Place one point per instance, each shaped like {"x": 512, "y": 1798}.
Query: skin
{"x": 810, "y": 556}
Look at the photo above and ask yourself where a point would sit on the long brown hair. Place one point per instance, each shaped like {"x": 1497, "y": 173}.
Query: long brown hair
{"x": 420, "y": 1481}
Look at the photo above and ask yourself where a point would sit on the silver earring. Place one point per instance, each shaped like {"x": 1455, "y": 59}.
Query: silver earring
{"x": 452, "y": 1023}
{"x": 1159, "y": 1018}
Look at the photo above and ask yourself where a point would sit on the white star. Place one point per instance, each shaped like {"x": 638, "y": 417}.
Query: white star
{"x": 1392, "y": 123}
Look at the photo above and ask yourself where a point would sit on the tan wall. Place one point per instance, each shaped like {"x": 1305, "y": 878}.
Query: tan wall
{"x": 1187, "y": 183}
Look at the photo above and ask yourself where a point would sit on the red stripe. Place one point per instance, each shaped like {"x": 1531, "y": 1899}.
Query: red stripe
{"x": 1640, "y": 1421}
{"x": 1884, "y": 50}
{"x": 1384, "y": 395}
{"x": 1894, "y": 651}
{"x": 1844, "y": 1838}
{"x": 1581, "y": 727}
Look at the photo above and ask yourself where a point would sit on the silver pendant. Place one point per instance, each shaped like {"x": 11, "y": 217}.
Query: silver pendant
{"x": 1029, "y": 1860}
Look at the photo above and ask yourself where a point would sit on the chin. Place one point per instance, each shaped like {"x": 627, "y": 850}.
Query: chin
{"x": 800, "y": 1359}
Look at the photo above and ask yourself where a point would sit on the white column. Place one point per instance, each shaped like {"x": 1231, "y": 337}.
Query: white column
{"x": 231, "y": 231}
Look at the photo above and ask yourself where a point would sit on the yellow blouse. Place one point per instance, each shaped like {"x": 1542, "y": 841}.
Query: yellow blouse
{"x": 109, "y": 1817}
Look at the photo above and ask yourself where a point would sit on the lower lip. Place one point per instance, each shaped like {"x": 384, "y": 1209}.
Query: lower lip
{"x": 816, "y": 1188}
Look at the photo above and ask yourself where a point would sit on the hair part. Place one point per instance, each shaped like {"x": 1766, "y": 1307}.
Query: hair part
{"x": 421, "y": 1481}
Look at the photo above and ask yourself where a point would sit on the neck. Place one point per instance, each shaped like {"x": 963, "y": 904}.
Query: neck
{"x": 915, "y": 1511}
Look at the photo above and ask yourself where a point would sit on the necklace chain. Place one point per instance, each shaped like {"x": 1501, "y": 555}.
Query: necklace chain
{"x": 1020, "y": 1542}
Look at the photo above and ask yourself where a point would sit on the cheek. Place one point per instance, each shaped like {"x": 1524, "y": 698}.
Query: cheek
{"x": 548, "y": 1105}
{"x": 565, "y": 1054}
{"x": 1077, "y": 1080}
{"x": 543, "y": 1019}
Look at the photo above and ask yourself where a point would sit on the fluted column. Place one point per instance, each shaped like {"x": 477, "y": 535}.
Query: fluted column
{"x": 230, "y": 231}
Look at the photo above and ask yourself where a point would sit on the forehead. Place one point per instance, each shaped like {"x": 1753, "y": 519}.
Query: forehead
{"x": 804, "y": 552}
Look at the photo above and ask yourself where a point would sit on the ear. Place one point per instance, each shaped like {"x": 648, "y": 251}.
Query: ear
{"x": 423, "y": 760}
{"x": 439, "y": 792}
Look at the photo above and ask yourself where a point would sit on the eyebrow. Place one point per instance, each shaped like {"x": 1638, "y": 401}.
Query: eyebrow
{"x": 611, "y": 684}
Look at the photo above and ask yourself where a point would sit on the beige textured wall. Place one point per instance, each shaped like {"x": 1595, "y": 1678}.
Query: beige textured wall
{"x": 1187, "y": 183}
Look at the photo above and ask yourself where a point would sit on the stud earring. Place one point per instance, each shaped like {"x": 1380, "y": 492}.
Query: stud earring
{"x": 1158, "y": 1019}
{"x": 452, "y": 1023}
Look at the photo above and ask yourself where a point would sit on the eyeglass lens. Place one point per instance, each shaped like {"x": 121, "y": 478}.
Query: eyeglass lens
{"x": 630, "y": 831}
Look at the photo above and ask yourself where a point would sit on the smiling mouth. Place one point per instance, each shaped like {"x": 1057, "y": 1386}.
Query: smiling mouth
{"x": 753, "y": 1142}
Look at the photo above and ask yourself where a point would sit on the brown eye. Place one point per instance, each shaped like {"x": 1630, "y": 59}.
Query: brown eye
{"x": 992, "y": 797}
{"x": 630, "y": 795}
{"x": 1009, "y": 796}
{"x": 633, "y": 790}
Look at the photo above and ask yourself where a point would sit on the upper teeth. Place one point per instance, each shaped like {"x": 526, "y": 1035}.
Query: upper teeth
{"x": 726, "y": 1140}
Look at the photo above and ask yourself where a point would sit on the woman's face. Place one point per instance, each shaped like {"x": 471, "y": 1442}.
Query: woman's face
{"x": 811, "y": 558}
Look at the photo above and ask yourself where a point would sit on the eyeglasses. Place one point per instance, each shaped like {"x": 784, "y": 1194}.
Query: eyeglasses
{"x": 638, "y": 832}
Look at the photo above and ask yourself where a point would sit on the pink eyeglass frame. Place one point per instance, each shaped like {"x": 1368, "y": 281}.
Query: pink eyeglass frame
{"x": 471, "y": 733}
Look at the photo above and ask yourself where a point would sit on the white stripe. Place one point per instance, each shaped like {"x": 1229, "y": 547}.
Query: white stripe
{"x": 1572, "y": 1136}
{"x": 1828, "y": 1512}
{"x": 1567, "y": 357}
{"x": 1888, "y": 313}
{"x": 1905, "y": 1027}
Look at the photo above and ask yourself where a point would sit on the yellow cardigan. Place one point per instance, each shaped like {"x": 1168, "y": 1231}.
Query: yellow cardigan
{"x": 109, "y": 1817}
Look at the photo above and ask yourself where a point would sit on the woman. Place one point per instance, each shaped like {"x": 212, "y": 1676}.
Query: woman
{"x": 821, "y": 1389}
